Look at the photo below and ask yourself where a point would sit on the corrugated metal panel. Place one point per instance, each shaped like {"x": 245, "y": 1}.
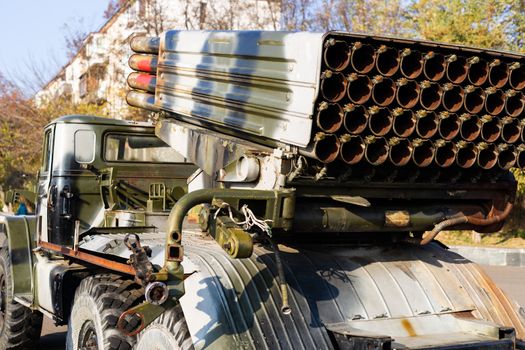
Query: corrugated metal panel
{"x": 260, "y": 83}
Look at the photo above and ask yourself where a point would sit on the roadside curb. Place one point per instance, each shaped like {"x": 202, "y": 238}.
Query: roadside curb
{"x": 492, "y": 256}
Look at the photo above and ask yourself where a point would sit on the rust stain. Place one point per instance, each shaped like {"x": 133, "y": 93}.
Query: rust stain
{"x": 408, "y": 327}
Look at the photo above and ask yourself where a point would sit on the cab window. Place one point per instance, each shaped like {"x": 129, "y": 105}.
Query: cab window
{"x": 46, "y": 152}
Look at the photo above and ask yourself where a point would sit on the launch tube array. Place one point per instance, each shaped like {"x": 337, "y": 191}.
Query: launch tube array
{"x": 396, "y": 105}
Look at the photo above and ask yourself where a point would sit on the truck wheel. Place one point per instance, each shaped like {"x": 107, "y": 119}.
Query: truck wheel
{"x": 99, "y": 302}
{"x": 20, "y": 327}
{"x": 168, "y": 332}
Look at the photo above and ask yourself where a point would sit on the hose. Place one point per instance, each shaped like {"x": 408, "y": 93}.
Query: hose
{"x": 467, "y": 219}
{"x": 285, "y": 307}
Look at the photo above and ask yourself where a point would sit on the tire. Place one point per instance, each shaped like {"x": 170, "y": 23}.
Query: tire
{"x": 99, "y": 302}
{"x": 20, "y": 327}
{"x": 168, "y": 332}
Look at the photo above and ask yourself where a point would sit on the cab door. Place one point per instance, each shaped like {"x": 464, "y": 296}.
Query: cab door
{"x": 44, "y": 192}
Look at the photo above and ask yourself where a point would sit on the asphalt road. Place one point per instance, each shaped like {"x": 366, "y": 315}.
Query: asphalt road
{"x": 510, "y": 279}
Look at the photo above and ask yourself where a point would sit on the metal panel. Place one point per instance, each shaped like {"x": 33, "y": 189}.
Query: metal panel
{"x": 259, "y": 83}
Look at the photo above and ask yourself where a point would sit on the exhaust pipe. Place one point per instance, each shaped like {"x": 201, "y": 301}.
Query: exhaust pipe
{"x": 422, "y": 152}
{"x": 434, "y": 66}
{"x": 383, "y": 90}
{"x": 506, "y": 156}
{"x": 514, "y": 103}
{"x": 380, "y": 120}
{"x": 376, "y": 150}
{"x": 329, "y": 117}
{"x": 487, "y": 155}
{"x": 333, "y": 86}
{"x": 466, "y": 154}
{"x": 457, "y": 69}
{"x": 144, "y": 63}
{"x": 404, "y": 122}
{"x": 452, "y": 97}
{"x": 517, "y": 76}
{"x": 359, "y": 88}
{"x": 145, "y": 44}
{"x": 142, "y": 81}
{"x": 352, "y": 149}
{"x": 470, "y": 127}
{"x": 510, "y": 129}
{"x": 387, "y": 62}
{"x": 449, "y": 125}
{"x": 520, "y": 157}
{"x": 400, "y": 151}
{"x": 355, "y": 118}
{"x": 363, "y": 57}
{"x": 411, "y": 64}
{"x": 325, "y": 148}
{"x": 336, "y": 54}
{"x": 407, "y": 93}
{"x": 426, "y": 124}
{"x": 141, "y": 99}
{"x": 445, "y": 153}
{"x": 494, "y": 100}
{"x": 498, "y": 74}
{"x": 430, "y": 95}
{"x": 474, "y": 99}
{"x": 478, "y": 71}
{"x": 490, "y": 128}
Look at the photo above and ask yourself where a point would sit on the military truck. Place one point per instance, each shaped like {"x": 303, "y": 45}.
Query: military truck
{"x": 324, "y": 166}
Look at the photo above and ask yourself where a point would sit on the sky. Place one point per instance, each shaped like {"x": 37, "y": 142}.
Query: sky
{"x": 33, "y": 33}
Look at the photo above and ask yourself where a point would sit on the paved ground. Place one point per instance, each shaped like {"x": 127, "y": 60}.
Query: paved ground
{"x": 511, "y": 279}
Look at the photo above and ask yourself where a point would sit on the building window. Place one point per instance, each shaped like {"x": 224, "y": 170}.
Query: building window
{"x": 82, "y": 86}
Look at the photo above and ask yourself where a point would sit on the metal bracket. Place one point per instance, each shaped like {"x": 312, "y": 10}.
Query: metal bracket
{"x": 139, "y": 259}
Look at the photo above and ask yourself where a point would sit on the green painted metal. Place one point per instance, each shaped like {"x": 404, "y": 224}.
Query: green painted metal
{"x": 21, "y": 239}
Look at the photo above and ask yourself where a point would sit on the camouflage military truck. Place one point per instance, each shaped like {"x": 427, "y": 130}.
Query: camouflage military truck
{"x": 324, "y": 164}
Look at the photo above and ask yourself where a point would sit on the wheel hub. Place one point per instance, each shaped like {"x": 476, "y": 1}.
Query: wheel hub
{"x": 87, "y": 338}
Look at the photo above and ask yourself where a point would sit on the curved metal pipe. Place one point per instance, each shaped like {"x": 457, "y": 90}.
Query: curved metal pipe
{"x": 490, "y": 128}
{"x": 510, "y": 129}
{"x": 452, "y": 97}
{"x": 449, "y": 125}
{"x": 498, "y": 74}
{"x": 407, "y": 93}
{"x": 380, "y": 120}
{"x": 466, "y": 154}
{"x": 514, "y": 103}
{"x": 423, "y": 152}
{"x": 329, "y": 117}
{"x": 478, "y": 71}
{"x": 494, "y": 100}
{"x": 411, "y": 64}
{"x": 400, "y": 151}
{"x": 333, "y": 86}
{"x": 445, "y": 153}
{"x": 144, "y": 63}
{"x": 352, "y": 149}
{"x": 387, "y": 61}
{"x": 487, "y": 155}
{"x": 457, "y": 68}
{"x": 355, "y": 118}
{"x": 145, "y": 44}
{"x": 474, "y": 99}
{"x": 142, "y": 81}
{"x": 336, "y": 54}
{"x": 359, "y": 88}
{"x": 404, "y": 122}
{"x": 383, "y": 90}
{"x": 426, "y": 124}
{"x": 507, "y": 156}
{"x": 430, "y": 95}
{"x": 376, "y": 150}
{"x": 470, "y": 127}
{"x": 434, "y": 66}
{"x": 517, "y": 76}
{"x": 363, "y": 57}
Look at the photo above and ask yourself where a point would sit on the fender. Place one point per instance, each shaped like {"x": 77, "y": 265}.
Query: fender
{"x": 20, "y": 232}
